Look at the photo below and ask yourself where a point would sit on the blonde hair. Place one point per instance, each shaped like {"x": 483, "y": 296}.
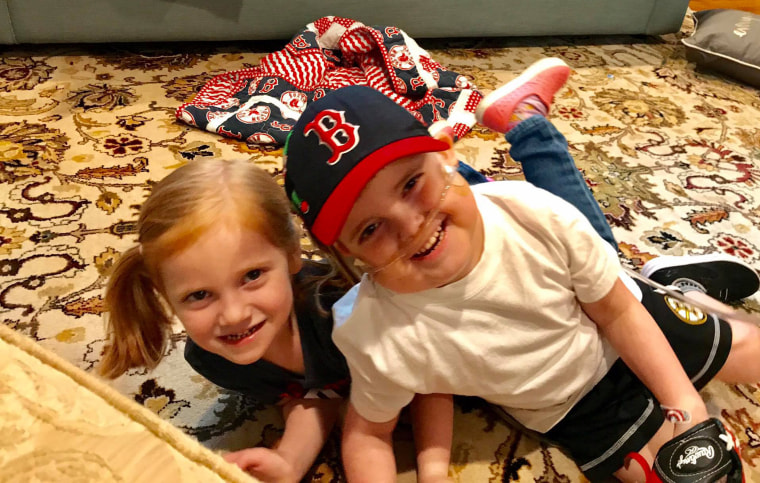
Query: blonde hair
{"x": 181, "y": 208}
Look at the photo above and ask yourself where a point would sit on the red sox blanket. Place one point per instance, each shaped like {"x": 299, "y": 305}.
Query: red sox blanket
{"x": 261, "y": 104}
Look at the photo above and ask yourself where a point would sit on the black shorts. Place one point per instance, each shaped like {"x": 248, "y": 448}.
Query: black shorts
{"x": 620, "y": 414}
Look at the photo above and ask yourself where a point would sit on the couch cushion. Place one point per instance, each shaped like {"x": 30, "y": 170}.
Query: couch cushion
{"x": 727, "y": 41}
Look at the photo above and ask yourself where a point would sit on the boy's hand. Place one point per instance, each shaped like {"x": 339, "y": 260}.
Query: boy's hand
{"x": 263, "y": 463}
{"x": 698, "y": 412}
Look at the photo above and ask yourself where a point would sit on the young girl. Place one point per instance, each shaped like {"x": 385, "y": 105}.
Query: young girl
{"x": 219, "y": 249}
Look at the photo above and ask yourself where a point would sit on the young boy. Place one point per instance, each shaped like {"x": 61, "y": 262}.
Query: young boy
{"x": 502, "y": 291}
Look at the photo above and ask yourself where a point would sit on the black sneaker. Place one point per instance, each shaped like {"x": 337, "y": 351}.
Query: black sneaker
{"x": 723, "y": 277}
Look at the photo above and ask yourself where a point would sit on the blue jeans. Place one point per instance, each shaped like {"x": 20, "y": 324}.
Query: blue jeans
{"x": 547, "y": 164}
{"x": 470, "y": 174}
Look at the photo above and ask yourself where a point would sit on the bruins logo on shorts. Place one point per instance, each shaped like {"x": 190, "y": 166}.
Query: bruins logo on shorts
{"x": 687, "y": 313}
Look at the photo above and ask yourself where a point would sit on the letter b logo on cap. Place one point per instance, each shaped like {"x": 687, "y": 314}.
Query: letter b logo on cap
{"x": 334, "y": 132}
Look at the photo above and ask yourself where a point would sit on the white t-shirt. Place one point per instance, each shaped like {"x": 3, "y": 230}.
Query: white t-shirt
{"x": 512, "y": 331}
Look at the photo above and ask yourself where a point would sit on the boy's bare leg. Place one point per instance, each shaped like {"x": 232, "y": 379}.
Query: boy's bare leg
{"x": 743, "y": 363}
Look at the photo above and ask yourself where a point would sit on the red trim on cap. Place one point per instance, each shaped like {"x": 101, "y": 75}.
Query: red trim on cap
{"x": 335, "y": 210}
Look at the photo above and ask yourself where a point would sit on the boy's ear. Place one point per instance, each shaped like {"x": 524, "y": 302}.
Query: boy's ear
{"x": 443, "y": 132}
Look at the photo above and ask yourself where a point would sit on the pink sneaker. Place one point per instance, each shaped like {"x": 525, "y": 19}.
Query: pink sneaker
{"x": 543, "y": 79}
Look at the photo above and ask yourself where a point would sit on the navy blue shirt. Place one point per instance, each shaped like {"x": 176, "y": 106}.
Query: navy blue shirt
{"x": 326, "y": 373}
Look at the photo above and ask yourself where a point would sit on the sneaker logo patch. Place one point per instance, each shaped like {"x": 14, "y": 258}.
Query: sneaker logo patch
{"x": 685, "y": 312}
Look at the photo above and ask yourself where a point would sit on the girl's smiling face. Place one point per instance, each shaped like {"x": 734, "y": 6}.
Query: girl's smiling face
{"x": 390, "y": 214}
{"x": 232, "y": 291}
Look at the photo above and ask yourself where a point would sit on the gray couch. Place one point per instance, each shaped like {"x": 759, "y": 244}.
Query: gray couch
{"x": 75, "y": 21}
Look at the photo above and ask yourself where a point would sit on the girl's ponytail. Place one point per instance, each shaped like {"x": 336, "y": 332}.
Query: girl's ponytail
{"x": 137, "y": 325}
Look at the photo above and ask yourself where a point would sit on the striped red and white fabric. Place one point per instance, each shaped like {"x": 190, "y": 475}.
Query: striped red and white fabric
{"x": 261, "y": 104}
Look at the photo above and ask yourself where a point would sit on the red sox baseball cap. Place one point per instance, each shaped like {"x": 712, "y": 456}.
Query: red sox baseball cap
{"x": 338, "y": 144}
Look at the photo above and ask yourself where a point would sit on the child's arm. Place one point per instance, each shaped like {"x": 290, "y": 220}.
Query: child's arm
{"x": 368, "y": 449}
{"x": 308, "y": 423}
{"x": 641, "y": 344}
{"x": 433, "y": 424}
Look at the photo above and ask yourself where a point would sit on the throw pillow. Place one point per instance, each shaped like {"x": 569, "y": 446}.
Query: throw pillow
{"x": 727, "y": 41}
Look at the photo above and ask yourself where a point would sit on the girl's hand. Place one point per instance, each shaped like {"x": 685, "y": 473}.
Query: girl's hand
{"x": 263, "y": 463}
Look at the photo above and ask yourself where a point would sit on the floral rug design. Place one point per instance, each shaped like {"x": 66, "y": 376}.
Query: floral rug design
{"x": 671, "y": 154}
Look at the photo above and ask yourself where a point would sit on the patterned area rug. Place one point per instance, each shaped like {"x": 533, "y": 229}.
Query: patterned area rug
{"x": 61, "y": 424}
{"x": 672, "y": 155}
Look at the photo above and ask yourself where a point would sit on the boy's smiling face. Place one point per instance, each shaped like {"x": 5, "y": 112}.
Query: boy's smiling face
{"x": 388, "y": 215}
